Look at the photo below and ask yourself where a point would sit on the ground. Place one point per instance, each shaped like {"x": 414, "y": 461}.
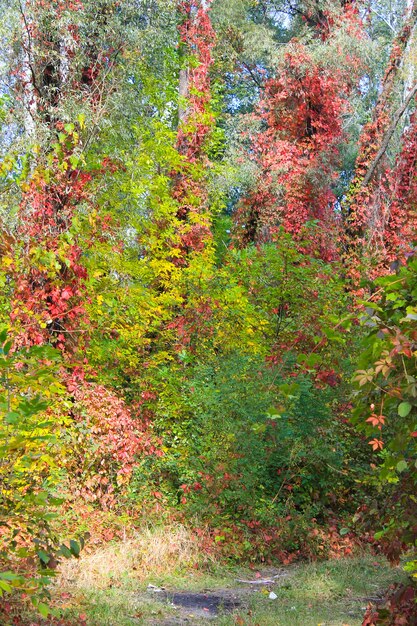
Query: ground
{"x": 120, "y": 588}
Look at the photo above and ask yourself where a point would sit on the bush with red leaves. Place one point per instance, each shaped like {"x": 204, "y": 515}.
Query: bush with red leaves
{"x": 108, "y": 442}
{"x": 399, "y": 609}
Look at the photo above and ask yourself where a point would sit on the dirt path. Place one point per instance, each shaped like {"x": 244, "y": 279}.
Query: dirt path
{"x": 197, "y": 607}
{"x": 266, "y": 590}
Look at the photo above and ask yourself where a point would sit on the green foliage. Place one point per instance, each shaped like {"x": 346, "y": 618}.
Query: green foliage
{"x": 244, "y": 391}
{"x": 215, "y": 376}
{"x": 30, "y": 451}
{"x": 386, "y": 401}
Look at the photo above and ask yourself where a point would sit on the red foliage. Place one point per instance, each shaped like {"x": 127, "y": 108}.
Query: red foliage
{"x": 49, "y": 280}
{"x": 398, "y": 218}
{"x": 194, "y": 325}
{"x": 379, "y": 225}
{"x": 399, "y": 609}
{"x": 110, "y": 440}
{"x": 298, "y": 152}
{"x": 382, "y": 222}
{"x": 49, "y": 276}
{"x": 197, "y": 37}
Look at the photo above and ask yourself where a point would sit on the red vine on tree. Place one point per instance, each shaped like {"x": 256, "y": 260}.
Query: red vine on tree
{"x": 197, "y": 39}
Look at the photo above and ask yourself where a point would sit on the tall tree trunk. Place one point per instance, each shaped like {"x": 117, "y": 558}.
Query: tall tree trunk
{"x": 362, "y": 209}
{"x": 195, "y": 123}
{"x": 48, "y": 294}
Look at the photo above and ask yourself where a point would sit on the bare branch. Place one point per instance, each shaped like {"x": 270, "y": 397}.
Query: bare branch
{"x": 252, "y": 74}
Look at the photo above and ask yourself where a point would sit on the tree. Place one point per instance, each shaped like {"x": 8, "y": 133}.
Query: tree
{"x": 195, "y": 123}
{"x": 298, "y": 151}
{"x": 59, "y": 67}
{"x": 375, "y": 227}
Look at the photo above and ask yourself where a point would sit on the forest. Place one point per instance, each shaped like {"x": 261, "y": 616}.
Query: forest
{"x": 208, "y": 312}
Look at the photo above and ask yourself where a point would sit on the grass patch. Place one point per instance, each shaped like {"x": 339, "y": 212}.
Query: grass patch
{"x": 109, "y": 586}
{"x": 118, "y": 607}
{"x": 154, "y": 552}
{"x": 333, "y": 593}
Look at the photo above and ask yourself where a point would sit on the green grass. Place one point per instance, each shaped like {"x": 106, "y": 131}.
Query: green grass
{"x": 332, "y": 593}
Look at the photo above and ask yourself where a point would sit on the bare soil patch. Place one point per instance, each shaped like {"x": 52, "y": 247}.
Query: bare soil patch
{"x": 193, "y": 607}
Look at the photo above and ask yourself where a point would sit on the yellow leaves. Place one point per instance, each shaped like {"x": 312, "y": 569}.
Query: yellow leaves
{"x": 163, "y": 357}
{"x": 92, "y": 217}
{"x": 364, "y": 376}
{"x": 81, "y": 120}
{"x": 7, "y": 262}
{"x": 122, "y": 479}
{"x": 7, "y": 165}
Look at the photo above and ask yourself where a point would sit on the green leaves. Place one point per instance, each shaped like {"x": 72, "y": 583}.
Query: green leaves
{"x": 43, "y": 609}
{"x": 5, "y": 586}
{"x": 404, "y": 409}
{"x": 9, "y": 581}
{"x": 402, "y": 466}
{"x": 30, "y": 447}
{"x": 387, "y": 401}
{"x": 73, "y": 550}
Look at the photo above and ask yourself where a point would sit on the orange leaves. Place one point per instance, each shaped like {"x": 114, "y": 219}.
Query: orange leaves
{"x": 377, "y": 444}
{"x": 376, "y": 420}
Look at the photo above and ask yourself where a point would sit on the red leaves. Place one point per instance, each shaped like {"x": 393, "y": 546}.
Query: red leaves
{"x": 66, "y": 293}
{"x": 399, "y": 609}
{"x": 49, "y": 278}
{"x": 298, "y": 152}
{"x": 110, "y": 447}
{"x": 302, "y": 109}
{"x": 328, "y": 377}
{"x": 382, "y": 219}
{"x": 198, "y": 38}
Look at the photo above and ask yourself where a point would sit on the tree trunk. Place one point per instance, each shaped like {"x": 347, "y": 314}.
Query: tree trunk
{"x": 361, "y": 211}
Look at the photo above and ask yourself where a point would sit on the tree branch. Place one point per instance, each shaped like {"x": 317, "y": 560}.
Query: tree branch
{"x": 252, "y": 75}
{"x": 387, "y": 137}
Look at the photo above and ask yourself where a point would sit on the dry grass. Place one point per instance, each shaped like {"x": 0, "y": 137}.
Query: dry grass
{"x": 154, "y": 550}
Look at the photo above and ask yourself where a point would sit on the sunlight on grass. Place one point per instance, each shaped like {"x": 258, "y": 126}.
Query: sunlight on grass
{"x": 155, "y": 551}
{"x": 109, "y": 586}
